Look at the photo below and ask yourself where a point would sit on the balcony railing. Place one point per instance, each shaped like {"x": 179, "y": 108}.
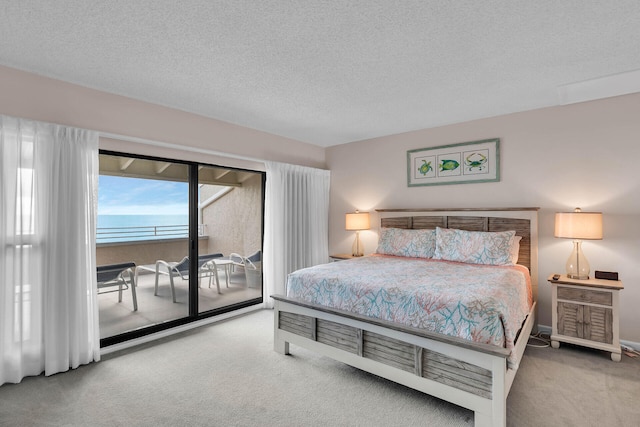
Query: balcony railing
{"x": 149, "y": 232}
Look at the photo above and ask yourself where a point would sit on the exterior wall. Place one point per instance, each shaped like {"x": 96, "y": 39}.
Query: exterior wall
{"x": 234, "y": 222}
{"x": 581, "y": 155}
{"x": 146, "y": 252}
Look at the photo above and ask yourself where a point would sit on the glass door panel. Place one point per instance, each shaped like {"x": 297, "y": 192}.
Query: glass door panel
{"x": 142, "y": 230}
{"x": 230, "y": 213}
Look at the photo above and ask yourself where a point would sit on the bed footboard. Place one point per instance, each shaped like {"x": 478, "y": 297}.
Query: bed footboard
{"x": 471, "y": 375}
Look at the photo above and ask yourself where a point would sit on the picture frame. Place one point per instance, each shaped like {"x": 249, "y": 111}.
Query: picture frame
{"x": 461, "y": 163}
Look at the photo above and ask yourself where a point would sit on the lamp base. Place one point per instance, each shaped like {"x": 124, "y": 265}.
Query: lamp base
{"x": 577, "y": 265}
{"x": 357, "y": 249}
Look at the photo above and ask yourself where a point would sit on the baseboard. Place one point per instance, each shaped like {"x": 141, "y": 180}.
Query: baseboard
{"x": 634, "y": 345}
{"x": 631, "y": 344}
{"x": 173, "y": 331}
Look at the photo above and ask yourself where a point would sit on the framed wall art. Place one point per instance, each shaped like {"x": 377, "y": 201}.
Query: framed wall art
{"x": 462, "y": 163}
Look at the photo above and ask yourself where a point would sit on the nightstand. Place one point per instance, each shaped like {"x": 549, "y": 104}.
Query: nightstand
{"x": 587, "y": 313}
{"x": 341, "y": 257}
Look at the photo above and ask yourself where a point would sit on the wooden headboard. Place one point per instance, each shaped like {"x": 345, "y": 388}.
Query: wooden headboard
{"x": 523, "y": 220}
{"x": 470, "y": 223}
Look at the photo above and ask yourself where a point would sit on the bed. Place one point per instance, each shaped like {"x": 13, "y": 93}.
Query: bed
{"x": 451, "y": 366}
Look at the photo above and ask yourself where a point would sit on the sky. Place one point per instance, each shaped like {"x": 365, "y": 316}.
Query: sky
{"x": 135, "y": 196}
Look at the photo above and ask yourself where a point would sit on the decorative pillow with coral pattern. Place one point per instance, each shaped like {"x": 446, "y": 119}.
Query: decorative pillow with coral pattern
{"x": 474, "y": 247}
{"x": 407, "y": 243}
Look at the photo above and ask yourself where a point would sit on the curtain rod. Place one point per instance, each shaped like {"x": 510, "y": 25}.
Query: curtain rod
{"x": 176, "y": 146}
{"x": 154, "y": 143}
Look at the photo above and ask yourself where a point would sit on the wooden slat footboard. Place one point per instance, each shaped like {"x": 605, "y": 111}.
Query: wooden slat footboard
{"x": 468, "y": 374}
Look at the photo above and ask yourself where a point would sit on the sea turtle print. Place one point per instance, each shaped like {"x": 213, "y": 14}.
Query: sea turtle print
{"x": 425, "y": 167}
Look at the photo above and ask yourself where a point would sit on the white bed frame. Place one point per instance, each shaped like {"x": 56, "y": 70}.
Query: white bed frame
{"x": 471, "y": 375}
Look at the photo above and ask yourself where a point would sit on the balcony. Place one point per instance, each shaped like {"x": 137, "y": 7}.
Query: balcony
{"x": 161, "y": 244}
{"x": 119, "y": 317}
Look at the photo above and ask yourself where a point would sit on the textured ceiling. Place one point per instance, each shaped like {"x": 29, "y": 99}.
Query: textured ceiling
{"x": 326, "y": 72}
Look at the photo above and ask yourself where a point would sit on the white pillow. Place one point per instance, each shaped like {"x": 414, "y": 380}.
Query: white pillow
{"x": 474, "y": 247}
{"x": 407, "y": 243}
{"x": 515, "y": 249}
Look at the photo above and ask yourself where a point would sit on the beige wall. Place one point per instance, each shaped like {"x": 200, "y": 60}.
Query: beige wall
{"x": 40, "y": 98}
{"x": 584, "y": 155}
{"x": 556, "y": 158}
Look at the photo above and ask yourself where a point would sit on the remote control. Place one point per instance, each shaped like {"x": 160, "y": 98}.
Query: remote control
{"x": 556, "y": 276}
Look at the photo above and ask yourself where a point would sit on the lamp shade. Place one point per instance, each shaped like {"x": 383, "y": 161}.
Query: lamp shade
{"x": 357, "y": 221}
{"x": 579, "y": 225}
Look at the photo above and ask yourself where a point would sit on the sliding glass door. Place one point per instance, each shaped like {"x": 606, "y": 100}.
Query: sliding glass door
{"x": 176, "y": 242}
{"x": 230, "y": 210}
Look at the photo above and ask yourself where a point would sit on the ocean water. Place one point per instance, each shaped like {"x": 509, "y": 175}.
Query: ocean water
{"x": 127, "y": 228}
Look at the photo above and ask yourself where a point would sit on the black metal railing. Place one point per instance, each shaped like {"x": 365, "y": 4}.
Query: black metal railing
{"x": 148, "y": 232}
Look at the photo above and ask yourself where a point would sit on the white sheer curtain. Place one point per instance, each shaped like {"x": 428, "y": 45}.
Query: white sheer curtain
{"x": 48, "y": 303}
{"x": 296, "y": 223}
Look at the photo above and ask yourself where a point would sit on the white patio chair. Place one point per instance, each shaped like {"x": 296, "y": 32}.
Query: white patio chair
{"x": 181, "y": 270}
{"x": 120, "y": 275}
{"x": 252, "y": 265}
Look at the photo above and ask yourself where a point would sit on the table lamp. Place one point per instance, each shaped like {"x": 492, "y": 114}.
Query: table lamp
{"x": 578, "y": 225}
{"x": 355, "y": 222}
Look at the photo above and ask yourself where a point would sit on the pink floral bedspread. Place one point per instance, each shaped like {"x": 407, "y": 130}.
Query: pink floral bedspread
{"x": 485, "y": 304}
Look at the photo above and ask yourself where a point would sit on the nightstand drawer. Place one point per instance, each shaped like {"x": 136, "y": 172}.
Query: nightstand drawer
{"x": 585, "y": 295}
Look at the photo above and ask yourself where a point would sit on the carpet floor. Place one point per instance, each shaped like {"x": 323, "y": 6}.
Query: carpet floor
{"x": 227, "y": 374}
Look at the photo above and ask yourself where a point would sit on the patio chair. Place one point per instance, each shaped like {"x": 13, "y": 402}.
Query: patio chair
{"x": 242, "y": 261}
{"x": 252, "y": 265}
{"x": 120, "y": 275}
{"x": 181, "y": 270}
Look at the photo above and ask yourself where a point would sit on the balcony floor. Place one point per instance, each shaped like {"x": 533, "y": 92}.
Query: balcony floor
{"x": 116, "y": 317}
